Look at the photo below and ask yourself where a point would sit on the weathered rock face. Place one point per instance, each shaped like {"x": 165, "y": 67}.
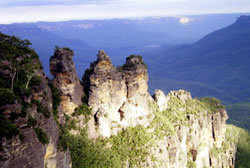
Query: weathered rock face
{"x": 29, "y": 134}
{"x": 179, "y": 131}
{"x": 66, "y": 81}
{"x": 161, "y": 100}
{"x": 26, "y": 149}
{"x": 118, "y": 97}
{"x": 201, "y": 143}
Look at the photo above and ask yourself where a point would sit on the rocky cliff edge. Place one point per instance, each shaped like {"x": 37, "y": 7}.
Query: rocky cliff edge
{"x": 109, "y": 116}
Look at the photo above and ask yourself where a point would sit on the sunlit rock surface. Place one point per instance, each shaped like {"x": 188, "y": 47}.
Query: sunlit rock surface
{"x": 66, "y": 81}
{"x": 184, "y": 132}
{"x": 119, "y": 96}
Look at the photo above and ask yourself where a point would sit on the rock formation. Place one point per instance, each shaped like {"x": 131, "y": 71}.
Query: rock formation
{"x": 66, "y": 81}
{"x": 161, "y": 100}
{"x": 122, "y": 127}
{"x": 201, "y": 142}
{"x": 118, "y": 97}
{"x": 29, "y": 133}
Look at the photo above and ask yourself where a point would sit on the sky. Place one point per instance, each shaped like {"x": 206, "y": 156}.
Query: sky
{"x": 59, "y": 10}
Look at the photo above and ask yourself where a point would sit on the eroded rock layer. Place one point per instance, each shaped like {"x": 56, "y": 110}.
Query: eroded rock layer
{"x": 163, "y": 131}
{"x": 199, "y": 142}
{"x": 66, "y": 81}
{"x": 29, "y": 134}
{"x": 118, "y": 97}
{"x": 185, "y": 132}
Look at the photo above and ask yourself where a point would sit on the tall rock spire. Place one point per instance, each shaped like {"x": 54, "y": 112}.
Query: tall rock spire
{"x": 66, "y": 81}
{"x": 117, "y": 96}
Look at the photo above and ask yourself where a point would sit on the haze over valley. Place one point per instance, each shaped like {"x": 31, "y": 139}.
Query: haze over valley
{"x": 122, "y": 83}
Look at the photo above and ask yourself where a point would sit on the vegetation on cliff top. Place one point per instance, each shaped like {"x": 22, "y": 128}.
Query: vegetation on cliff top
{"x": 131, "y": 146}
{"x": 19, "y": 65}
{"x": 241, "y": 138}
{"x": 130, "y": 60}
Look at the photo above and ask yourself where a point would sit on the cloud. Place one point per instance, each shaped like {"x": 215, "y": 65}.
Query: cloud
{"x": 55, "y": 10}
{"x": 14, "y": 3}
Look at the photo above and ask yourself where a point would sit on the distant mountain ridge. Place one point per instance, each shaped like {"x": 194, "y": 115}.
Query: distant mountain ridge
{"x": 44, "y": 42}
{"x": 220, "y": 60}
{"x": 108, "y": 119}
{"x": 118, "y": 37}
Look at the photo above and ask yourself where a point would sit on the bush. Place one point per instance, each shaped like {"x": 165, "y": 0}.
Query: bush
{"x": 191, "y": 164}
{"x": 130, "y": 145}
{"x": 86, "y": 153}
{"x": 41, "y": 109}
{"x": 25, "y": 107}
{"x": 44, "y": 110}
{"x": 136, "y": 56}
{"x": 22, "y": 77}
{"x": 7, "y": 129}
{"x": 31, "y": 121}
{"x": 4, "y": 83}
{"x": 21, "y": 91}
{"x": 56, "y": 98}
{"x": 35, "y": 81}
{"x": 213, "y": 105}
{"x": 243, "y": 150}
{"x": 82, "y": 110}
{"x": 67, "y": 49}
{"x": 41, "y": 135}
{"x": 6, "y": 96}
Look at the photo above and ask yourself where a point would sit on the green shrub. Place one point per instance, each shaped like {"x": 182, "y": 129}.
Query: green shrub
{"x": 136, "y": 56}
{"x": 132, "y": 145}
{"x": 41, "y": 109}
{"x": 71, "y": 124}
{"x": 22, "y": 91}
{"x": 7, "y": 128}
{"x": 4, "y": 83}
{"x": 162, "y": 125}
{"x": 25, "y": 107}
{"x": 41, "y": 135}
{"x": 82, "y": 110}
{"x": 191, "y": 164}
{"x": 44, "y": 110}
{"x": 6, "y": 96}
{"x": 35, "y": 81}
{"x": 68, "y": 49}
{"x": 64, "y": 137}
{"x": 213, "y": 105}
{"x": 85, "y": 99}
{"x": 240, "y": 137}
{"x": 215, "y": 151}
{"x": 56, "y": 98}
{"x": 22, "y": 77}
{"x": 243, "y": 150}
{"x": 127, "y": 66}
{"x": 36, "y": 102}
{"x": 86, "y": 153}
{"x": 31, "y": 121}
